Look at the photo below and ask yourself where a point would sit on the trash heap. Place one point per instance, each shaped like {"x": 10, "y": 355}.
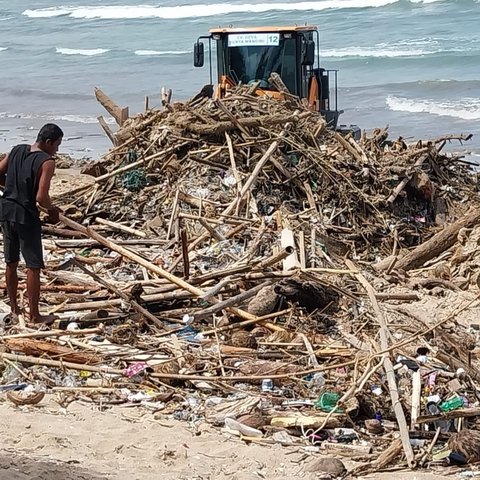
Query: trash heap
{"x": 237, "y": 263}
{"x": 245, "y": 158}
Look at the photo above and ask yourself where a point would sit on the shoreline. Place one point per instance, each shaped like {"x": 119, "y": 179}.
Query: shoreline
{"x": 80, "y": 141}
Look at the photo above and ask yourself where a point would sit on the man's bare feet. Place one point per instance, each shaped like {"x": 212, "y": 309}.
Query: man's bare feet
{"x": 43, "y": 319}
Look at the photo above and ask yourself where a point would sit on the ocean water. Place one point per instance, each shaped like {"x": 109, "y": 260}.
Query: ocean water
{"x": 411, "y": 64}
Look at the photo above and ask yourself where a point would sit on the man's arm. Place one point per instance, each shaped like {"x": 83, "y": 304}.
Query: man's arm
{"x": 43, "y": 193}
{"x": 3, "y": 169}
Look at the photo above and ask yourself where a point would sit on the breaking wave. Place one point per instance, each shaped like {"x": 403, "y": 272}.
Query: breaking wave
{"x": 466, "y": 108}
{"x": 417, "y": 47}
{"x": 85, "y": 52}
{"x": 111, "y": 12}
{"x": 356, "y": 52}
{"x": 373, "y": 52}
{"x": 2, "y": 49}
{"x": 146, "y": 53}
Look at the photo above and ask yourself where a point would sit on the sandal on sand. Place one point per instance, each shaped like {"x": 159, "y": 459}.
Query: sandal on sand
{"x": 10, "y": 319}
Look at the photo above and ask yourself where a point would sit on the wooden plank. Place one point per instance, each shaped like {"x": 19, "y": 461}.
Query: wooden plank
{"x": 118, "y": 113}
{"x": 108, "y": 131}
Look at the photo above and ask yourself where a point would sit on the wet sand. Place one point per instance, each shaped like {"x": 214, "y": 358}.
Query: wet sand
{"x": 80, "y": 140}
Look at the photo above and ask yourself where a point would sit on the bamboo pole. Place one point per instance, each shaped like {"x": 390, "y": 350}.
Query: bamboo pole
{"x": 135, "y": 305}
{"x": 55, "y": 333}
{"x": 114, "y": 371}
{"x": 388, "y": 367}
{"x": 246, "y": 323}
{"x": 59, "y": 364}
{"x": 119, "y": 226}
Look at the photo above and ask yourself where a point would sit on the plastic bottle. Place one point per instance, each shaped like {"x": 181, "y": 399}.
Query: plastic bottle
{"x": 444, "y": 425}
{"x": 267, "y": 385}
{"x": 318, "y": 379}
{"x": 451, "y": 404}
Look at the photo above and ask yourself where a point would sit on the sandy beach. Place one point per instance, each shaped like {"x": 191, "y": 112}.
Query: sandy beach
{"x": 80, "y": 442}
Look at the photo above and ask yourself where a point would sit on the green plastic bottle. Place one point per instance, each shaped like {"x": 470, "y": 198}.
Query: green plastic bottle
{"x": 451, "y": 404}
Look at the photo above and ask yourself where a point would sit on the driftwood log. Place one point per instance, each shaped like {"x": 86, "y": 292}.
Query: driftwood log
{"x": 438, "y": 243}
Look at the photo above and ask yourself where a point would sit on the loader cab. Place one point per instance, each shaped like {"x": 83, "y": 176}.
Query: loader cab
{"x": 250, "y": 55}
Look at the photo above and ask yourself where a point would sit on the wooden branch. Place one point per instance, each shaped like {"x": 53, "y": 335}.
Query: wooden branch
{"x": 220, "y": 128}
{"x": 349, "y": 148}
{"x": 459, "y": 413}
{"x": 89, "y": 243}
{"x": 229, "y": 302}
{"x": 246, "y": 323}
{"x": 278, "y": 83}
{"x": 138, "y": 163}
{"x": 258, "y": 168}
{"x": 82, "y": 289}
{"x": 61, "y": 232}
{"x": 385, "y": 458}
{"x": 400, "y": 187}
{"x": 60, "y": 364}
{"x": 430, "y": 447}
{"x": 56, "y": 333}
{"x": 40, "y": 348}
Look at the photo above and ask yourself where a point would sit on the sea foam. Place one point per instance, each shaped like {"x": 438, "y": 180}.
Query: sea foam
{"x": 147, "y": 53}
{"x": 351, "y": 52}
{"x": 466, "y": 108}
{"x": 85, "y": 52}
{"x": 373, "y": 52}
{"x": 111, "y": 12}
{"x": 415, "y": 47}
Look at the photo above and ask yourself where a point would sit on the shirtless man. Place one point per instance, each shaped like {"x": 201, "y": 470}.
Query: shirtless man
{"x": 26, "y": 173}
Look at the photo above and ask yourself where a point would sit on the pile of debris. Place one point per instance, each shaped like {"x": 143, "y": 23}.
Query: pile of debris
{"x": 245, "y": 158}
{"x": 206, "y": 275}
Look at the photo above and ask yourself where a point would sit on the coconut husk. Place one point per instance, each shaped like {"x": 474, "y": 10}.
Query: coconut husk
{"x": 123, "y": 334}
{"x": 309, "y": 295}
{"x": 244, "y": 339}
{"x": 264, "y": 302}
{"x": 255, "y": 420}
{"x": 466, "y": 442}
{"x": 21, "y": 398}
{"x": 170, "y": 368}
{"x": 262, "y": 367}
